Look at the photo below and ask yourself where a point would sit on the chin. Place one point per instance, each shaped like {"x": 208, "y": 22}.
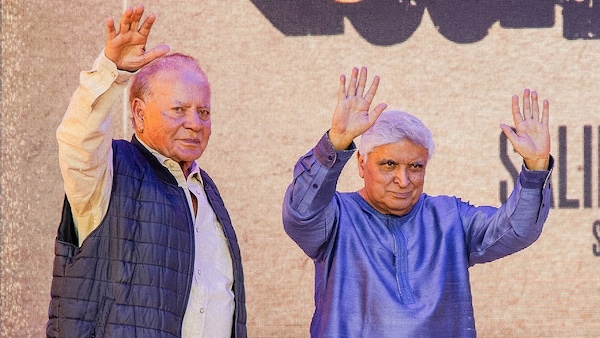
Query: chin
{"x": 190, "y": 155}
{"x": 400, "y": 210}
{"x": 397, "y": 212}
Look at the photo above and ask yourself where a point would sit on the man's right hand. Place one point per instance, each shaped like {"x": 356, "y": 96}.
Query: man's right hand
{"x": 352, "y": 116}
{"x": 127, "y": 48}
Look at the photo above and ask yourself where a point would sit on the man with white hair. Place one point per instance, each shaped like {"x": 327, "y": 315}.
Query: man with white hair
{"x": 390, "y": 260}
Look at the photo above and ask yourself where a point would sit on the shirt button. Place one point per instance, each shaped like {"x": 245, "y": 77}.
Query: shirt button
{"x": 199, "y": 272}
{"x": 202, "y": 310}
{"x": 197, "y": 229}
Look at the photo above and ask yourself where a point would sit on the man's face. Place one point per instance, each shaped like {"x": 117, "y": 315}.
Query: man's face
{"x": 176, "y": 116}
{"x": 394, "y": 175}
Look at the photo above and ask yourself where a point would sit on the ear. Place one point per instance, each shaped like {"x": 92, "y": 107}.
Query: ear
{"x": 137, "y": 113}
{"x": 361, "y": 164}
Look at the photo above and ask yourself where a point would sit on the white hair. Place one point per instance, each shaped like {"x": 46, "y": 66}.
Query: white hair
{"x": 394, "y": 126}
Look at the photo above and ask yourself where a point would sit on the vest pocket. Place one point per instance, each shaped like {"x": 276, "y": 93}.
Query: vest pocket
{"x": 102, "y": 318}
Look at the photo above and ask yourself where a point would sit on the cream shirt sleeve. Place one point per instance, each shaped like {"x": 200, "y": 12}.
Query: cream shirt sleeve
{"x": 85, "y": 143}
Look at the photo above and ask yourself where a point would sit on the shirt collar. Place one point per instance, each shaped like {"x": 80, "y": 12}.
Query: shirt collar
{"x": 194, "y": 168}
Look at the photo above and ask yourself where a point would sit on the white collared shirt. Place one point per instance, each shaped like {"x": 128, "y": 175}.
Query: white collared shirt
{"x": 210, "y": 308}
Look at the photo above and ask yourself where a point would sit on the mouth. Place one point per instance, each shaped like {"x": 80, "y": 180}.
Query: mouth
{"x": 192, "y": 142}
{"x": 401, "y": 195}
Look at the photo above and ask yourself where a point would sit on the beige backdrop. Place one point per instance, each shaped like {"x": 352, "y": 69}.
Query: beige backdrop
{"x": 273, "y": 96}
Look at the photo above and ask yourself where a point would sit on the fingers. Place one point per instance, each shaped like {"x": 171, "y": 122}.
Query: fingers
{"x": 546, "y": 112}
{"x": 526, "y": 104}
{"x": 352, "y": 85}
{"x": 531, "y": 108}
{"x": 372, "y": 90}
{"x": 535, "y": 108}
{"x": 126, "y": 19}
{"x": 136, "y": 17}
{"x": 516, "y": 111}
{"x": 110, "y": 28}
{"x": 355, "y": 91}
{"x": 342, "y": 88}
{"x": 362, "y": 81}
{"x": 357, "y": 85}
{"x": 130, "y": 20}
{"x": 147, "y": 25}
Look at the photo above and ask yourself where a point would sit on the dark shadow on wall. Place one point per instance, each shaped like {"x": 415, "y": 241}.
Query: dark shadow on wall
{"x": 581, "y": 19}
{"x": 388, "y": 22}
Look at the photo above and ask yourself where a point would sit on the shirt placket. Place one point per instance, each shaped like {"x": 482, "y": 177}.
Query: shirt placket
{"x": 406, "y": 292}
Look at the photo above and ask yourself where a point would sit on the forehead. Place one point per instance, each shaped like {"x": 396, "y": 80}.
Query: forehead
{"x": 178, "y": 75}
{"x": 402, "y": 151}
{"x": 179, "y": 83}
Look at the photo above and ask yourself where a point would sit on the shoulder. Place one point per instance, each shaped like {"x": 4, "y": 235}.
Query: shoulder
{"x": 123, "y": 145}
{"x": 443, "y": 202}
{"x": 128, "y": 159}
{"x": 126, "y": 151}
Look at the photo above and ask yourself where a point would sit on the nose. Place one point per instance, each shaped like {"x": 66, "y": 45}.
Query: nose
{"x": 402, "y": 178}
{"x": 193, "y": 121}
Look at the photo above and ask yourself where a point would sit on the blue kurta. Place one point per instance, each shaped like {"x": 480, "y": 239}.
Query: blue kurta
{"x": 381, "y": 275}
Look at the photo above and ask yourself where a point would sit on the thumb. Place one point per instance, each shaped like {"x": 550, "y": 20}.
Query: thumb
{"x": 376, "y": 112}
{"x": 509, "y": 132}
{"x": 156, "y": 52}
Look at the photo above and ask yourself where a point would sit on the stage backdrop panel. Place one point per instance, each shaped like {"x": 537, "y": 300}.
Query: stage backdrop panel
{"x": 274, "y": 66}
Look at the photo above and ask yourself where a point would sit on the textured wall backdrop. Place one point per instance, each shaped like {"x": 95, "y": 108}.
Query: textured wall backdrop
{"x": 274, "y": 67}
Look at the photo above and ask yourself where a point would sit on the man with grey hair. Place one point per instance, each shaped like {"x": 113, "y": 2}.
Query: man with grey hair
{"x": 390, "y": 260}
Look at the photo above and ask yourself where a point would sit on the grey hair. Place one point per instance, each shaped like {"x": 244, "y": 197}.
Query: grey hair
{"x": 139, "y": 86}
{"x": 394, "y": 126}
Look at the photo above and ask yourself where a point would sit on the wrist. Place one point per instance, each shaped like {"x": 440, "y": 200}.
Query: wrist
{"x": 339, "y": 141}
{"x": 537, "y": 164}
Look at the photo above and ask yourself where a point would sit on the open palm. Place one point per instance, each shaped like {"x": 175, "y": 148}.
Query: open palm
{"x": 127, "y": 47}
{"x": 352, "y": 117}
{"x": 530, "y": 136}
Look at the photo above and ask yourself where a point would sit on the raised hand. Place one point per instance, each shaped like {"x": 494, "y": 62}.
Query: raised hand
{"x": 531, "y": 136}
{"x": 127, "y": 48}
{"x": 352, "y": 117}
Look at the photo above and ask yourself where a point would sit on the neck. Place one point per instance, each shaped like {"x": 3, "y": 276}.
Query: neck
{"x": 186, "y": 167}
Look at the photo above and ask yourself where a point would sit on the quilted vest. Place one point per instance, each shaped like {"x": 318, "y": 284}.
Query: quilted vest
{"x": 132, "y": 275}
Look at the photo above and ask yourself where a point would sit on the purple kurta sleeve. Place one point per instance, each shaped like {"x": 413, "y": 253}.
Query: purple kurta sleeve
{"x": 308, "y": 211}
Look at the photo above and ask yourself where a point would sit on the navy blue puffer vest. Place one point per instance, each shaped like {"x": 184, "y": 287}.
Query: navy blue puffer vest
{"x": 131, "y": 277}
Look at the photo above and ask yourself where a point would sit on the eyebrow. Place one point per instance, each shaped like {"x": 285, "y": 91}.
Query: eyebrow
{"x": 181, "y": 103}
{"x": 386, "y": 160}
